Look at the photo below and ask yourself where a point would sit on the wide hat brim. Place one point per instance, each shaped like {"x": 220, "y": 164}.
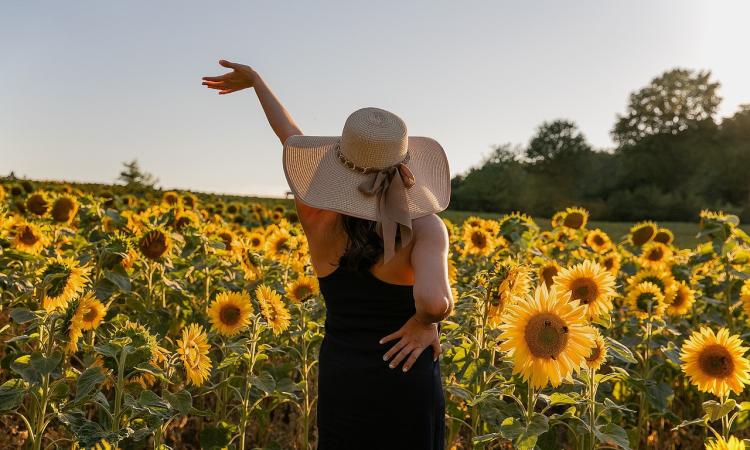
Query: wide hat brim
{"x": 319, "y": 179}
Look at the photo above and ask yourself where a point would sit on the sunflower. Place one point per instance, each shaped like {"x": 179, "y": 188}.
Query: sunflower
{"x": 186, "y": 218}
{"x": 230, "y": 312}
{"x": 547, "y": 337}
{"x": 280, "y": 244}
{"x": 611, "y": 262}
{"x": 37, "y": 203}
{"x": 64, "y": 209}
{"x": 88, "y": 315}
{"x": 715, "y": 362}
{"x": 646, "y": 300}
{"x": 598, "y": 352}
{"x": 682, "y": 301}
{"x": 642, "y": 232}
{"x": 477, "y": 241}
{"x": 589, "y": 283}
{"x": 301, "y": 289}
{"x": 170, "y": 198}
{"x": 27, "y": 237}
{"x": 511, "y": 281}
{"x": 452, "y": 272}
{"x": 193, "y": 350}
{"x": 598, "y": 240}
{"x": 548, "y": 270}
{"x": 664, "y": 235}
{"x": 256, "y": 241}
{"x": 745, "y": 296}
{"x": 66, "y": 282}
{"x": 661, "y": 278}
{"x": 228, "y": 238}
{"x": 557, "y": 219}
{"x": 155, "y": 243}
{"x": 575, "y": 218}
{"x": 655, "y": 254}
{"x": 725, "y": 444}
{"x": 473, "y": 222}
{"x": 273, "y": 308}
{"x": 248, "y": 262}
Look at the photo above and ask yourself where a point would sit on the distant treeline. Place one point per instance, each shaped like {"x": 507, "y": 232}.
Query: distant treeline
{"x": 672, "y": 159}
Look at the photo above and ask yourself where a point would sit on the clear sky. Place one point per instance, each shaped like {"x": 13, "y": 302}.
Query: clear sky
{"x": 86, "y": 85}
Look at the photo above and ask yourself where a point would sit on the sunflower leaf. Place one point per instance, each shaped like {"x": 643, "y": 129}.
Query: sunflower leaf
{"x": 620, "y": 351}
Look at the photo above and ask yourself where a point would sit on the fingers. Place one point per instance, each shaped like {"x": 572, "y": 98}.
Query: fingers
{"x": 401, "y": 355}
{"x": 391, "y": 337}
{"x": 226, "y": 63}
{"x": 228, "y": 91}
{"x": 436, "y": 350}
{"x": 214, "y": 84}
{"x": 413, "y": 357}
{"x": 392, "y": 351}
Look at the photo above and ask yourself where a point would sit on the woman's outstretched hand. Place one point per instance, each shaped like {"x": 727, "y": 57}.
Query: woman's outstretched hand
{"x": 415, "y": 337}
{"x": 239, "y": 78}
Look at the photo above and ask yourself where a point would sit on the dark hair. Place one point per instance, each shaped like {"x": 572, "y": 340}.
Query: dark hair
{"x": 364, "y": 246}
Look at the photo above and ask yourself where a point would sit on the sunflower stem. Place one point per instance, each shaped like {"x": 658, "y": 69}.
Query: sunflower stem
{"x": 592, "y": 407}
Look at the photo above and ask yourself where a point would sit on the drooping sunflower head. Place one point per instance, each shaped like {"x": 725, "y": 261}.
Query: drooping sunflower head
{"x": 547, "y": 337}
{"x": 273, "y": 309}
{"x": 28, "y": 237}
{"x": 598, "y": 352}
{"x": 598, "y": 240}
{"x": 642, "y": 232}
{"x": 682, "y": 301}
{"x": 302, "y": 289}
{"x": 664, "y": 235}
{"x": 719, "y": 443}
{"x": 590, "y": 284}
{"x": 645, "y": 300}
{"x": 575, "y": 218}
{"x": 193, "y": 349}
{"x": 87, "y": 314}
{"x": 655, "y": 254}
{"x": 37, "y": 203}
{"x": 715, "y": 362}
{"x": 155, "y": 243}
{"x": 64, "y": 280}
{"x": 64, "y": 209}
{"x": 230, "y": 312}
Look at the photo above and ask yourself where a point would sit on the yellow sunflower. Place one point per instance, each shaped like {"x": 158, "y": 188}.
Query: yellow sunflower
{"x": 557, "y": 219}
{"x": 645, "y": 300}
{"x": 27, "y": 237}
{"x": 477, "y": 241}
{"x": 719, "y": 443}
{"x": 642, "y": 232}
{"x": 598, "y": 352}
{"x": 473, "y": 222}
{"x": 664, "y": 235}
{"x": 273, "y": 309}
{"x": 655, "y": 254}
{"x": 511, "y": 282}
{"x": 682, "y": 301}
{"x": 64, "y": 209}
{"x": 611, "y": 262}
{"x": 661, "y": 278}
{"x": 715, "y": 362}
{"x": 155, "y": 243}
{"x": 301, "y": 289}
{"x": 87, "y": 316}
{"x": 547, "y": 337}
{"x": 745, "y": 296}
{"x": 575, "y": 218}
{"x": 37, "y": 203}
{"x": 193, "y": 350}
{"x": 256, "y": 241}
{"x": 230, "y": 312}
{"x": 548, "y": 270}
{"x": 598, "y": 240}
{"x": 280, "y": 244}
{"x": 589, "y": 283}
{"x": 66, "y": 282}
{"x": 170, "y": 198}
{"x": 186, "y": 218}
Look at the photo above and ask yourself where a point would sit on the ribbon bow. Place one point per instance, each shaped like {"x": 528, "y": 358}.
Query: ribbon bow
{"x": 392, "y": 205}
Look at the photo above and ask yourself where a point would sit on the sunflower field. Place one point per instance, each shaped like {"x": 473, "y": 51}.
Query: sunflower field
{"x": 171, "y": 320}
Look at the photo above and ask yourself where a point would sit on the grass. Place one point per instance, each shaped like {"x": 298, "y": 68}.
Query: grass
{"x": 684, "y": 232}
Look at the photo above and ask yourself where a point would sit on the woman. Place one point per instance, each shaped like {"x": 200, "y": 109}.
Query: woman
{"x": 358, "y": 195}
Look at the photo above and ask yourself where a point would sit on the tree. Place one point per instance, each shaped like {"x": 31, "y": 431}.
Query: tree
{"x": 673, "y": 102}
{"x": 134, "y": 177}
{"x": 555, "y": 141}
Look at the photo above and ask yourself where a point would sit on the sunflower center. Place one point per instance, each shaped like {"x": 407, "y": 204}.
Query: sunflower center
{"x": 154, "y": 244}
{"x": 595, "y": 353}
{"x": 584, "y": 289}
{"x": 716, "y": 361}
{"x": 656, "y": 254}
{"x": 302, "y": 291}
{"x": 63, "y": 209}
{"x": 57, "y": 286}
{"x": 548, "y": 273}
{"x": 229, "y": 315}
{"x": 645, "y": 301}
{"x": 609, "y": 263}
{"x": 479, "y": 239}
{"x": 680, "y": 298}
{"x": 598, "y": 240}
{"x": 546, "y": 335}
{"x": 90, "y": 315}
{"x": 573, "y": 220}
{"x": 642, "y": 235}
{"x": 255, "y": 242}
{"x": 28, "y": 237}
{"x": 282, "y": 245}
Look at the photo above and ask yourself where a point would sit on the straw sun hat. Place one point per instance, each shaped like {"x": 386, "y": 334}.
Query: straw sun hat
{"x": 373, "y": 171}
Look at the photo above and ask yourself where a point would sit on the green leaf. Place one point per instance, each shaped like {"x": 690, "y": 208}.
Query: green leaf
{"x": 264, "y": 382}
{"x": 22, "y": 315}
{"x": 59, "y": 390}
{"x": 45, "y": 365}
{"x": 87, "y": 381}
{"x": 613, "y": 435}
{"x": 119, "y": 278}
{"x": 687, "y": 423}
{"x": 215, "y": 438}
{"x": 620, "y": 351}
{"x": 11, "y": 394}
{"x": 511, "y": 428}
{"x": 716, "y": 410}
{"x": 182, "y": 401}
{"x": 22, "y": 366}
{"x": 560, "y": 398}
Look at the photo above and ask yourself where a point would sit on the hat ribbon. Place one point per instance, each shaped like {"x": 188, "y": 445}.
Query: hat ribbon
{"x": 389, "y": 185}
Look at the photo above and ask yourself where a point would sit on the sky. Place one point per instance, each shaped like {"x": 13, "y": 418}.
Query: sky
{"x": 87, "y": 85}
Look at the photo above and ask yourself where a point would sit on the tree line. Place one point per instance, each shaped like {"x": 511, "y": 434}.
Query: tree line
{"x": 672, "y": 158}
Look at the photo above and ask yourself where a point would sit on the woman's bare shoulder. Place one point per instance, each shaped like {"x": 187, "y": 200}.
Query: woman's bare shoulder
{"x": 430, "y": 228}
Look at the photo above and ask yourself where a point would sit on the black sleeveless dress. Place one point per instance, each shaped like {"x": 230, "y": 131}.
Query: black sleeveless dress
{"x": 362, "y": 403}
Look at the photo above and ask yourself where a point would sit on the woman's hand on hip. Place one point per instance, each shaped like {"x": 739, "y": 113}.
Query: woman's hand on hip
{"x": 413, "y": 338}
{"x": 239, "y": 78}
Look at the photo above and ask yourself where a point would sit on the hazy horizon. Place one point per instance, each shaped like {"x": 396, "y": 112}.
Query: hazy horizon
{"x": 87, "y": 85}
